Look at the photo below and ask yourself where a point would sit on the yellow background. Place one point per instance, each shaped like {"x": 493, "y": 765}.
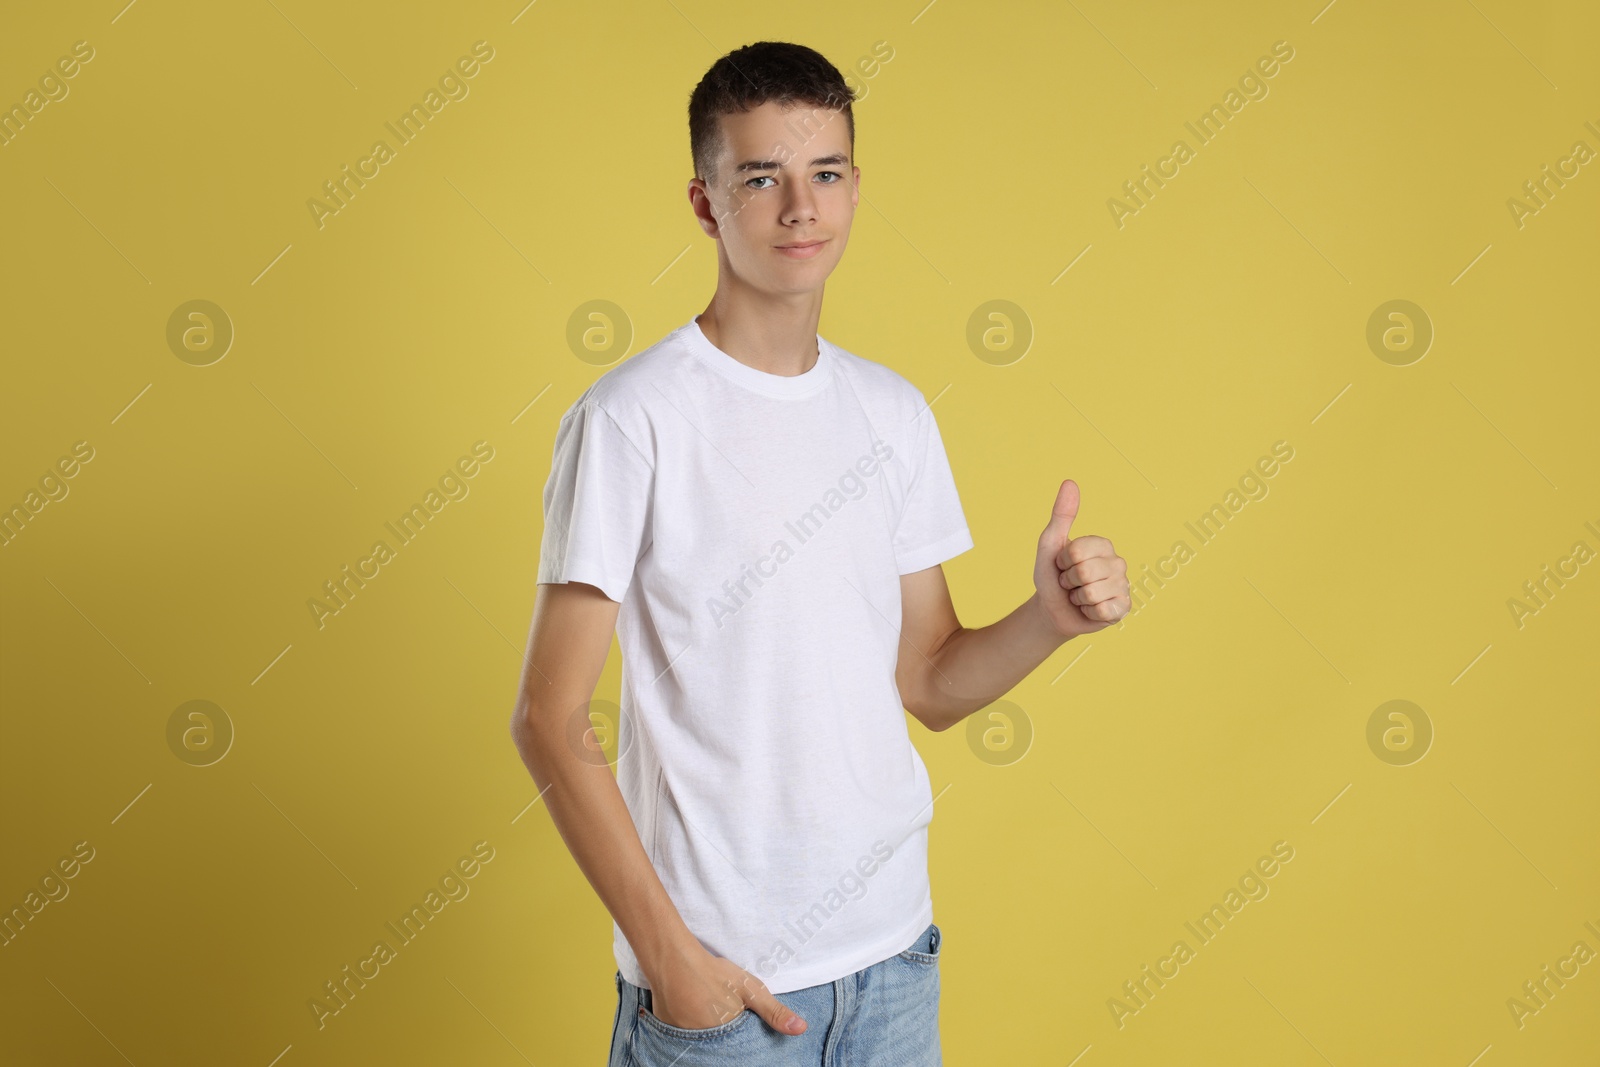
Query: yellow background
{"x": 1227, "y": 714}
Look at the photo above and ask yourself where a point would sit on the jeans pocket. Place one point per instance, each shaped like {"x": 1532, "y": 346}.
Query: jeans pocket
{"x": 648, "y": 1017}
{"x": 932, "y": 938}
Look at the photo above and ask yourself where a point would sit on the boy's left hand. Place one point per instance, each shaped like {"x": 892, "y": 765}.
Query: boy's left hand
{"x": 1081, "y": 581}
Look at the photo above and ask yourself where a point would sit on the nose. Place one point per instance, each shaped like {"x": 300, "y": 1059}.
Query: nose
{"x": 802, "y": 206}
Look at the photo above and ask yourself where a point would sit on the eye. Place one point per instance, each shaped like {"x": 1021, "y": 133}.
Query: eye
{"x": 835, "y": 173}
{"x": 762, "y": 178}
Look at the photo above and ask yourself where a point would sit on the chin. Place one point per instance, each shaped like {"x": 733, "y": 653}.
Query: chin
{"x": 804, "y": 275}
{"x": 820, "y": 267}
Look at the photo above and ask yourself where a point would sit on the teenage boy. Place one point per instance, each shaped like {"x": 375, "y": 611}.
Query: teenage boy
{"x": 760, "y": 515}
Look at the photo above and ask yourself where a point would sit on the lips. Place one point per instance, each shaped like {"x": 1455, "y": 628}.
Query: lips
{"x": 806, "y": 250}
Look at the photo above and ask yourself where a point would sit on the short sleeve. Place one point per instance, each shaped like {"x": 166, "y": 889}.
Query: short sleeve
{"x": 931, "y": 527}
{"x": 596, "y": 504}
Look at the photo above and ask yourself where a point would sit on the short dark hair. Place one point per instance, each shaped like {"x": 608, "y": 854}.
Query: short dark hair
{"x": 750, "y": 76}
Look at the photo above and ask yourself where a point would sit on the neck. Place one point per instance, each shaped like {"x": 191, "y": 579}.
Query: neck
{"x": 778, "y": 338}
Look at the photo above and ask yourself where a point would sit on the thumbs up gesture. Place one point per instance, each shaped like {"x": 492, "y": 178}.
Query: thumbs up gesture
{"x": 1081, "y": 581}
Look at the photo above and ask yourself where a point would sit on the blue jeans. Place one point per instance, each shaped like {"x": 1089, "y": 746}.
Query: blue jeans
{"x": 885, "y": 1015}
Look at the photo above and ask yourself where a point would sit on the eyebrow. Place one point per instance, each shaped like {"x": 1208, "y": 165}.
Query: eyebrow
{"x": 836, "y": 160}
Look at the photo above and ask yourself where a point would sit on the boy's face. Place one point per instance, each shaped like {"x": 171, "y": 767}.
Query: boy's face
{"x": 784, "y": 178}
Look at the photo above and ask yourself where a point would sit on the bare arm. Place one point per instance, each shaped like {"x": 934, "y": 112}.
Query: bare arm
{"x": 567, "y": 647}
{"x": 946, "y": 671}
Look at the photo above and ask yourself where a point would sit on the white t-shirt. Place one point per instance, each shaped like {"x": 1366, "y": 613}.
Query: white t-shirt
{"x": 754, "y": 528}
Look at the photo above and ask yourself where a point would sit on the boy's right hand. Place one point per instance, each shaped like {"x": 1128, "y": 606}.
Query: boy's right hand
{"x": 699, "y": 991}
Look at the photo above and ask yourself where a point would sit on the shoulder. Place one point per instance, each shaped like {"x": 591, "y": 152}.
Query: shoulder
{"x": 628, "y": 392}
{"x": 880, "y": 386}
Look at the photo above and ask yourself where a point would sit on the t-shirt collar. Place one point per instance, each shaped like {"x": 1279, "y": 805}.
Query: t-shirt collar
{"x": 774, "y": 385}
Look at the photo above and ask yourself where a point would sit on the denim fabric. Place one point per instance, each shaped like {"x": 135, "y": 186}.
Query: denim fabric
{"x": 885, "y": 1015}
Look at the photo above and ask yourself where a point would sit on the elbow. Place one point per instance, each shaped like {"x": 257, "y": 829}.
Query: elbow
{"x": 533, "y": 749}
{"x": 927, "y": 718}
{"x": 521, "y": 726}
{"x": 914, "y": 698}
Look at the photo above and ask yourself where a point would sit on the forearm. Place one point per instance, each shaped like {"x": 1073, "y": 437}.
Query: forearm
{"x": 974, "y": 668}
{"x": 590, "y": 814}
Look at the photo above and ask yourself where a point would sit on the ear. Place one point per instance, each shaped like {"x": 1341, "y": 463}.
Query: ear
{"x": 700, "y": 204}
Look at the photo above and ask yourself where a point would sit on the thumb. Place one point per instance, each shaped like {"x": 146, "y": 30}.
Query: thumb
{"x": 1061, "y": 515}
{"x": 777, "y": 1014}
